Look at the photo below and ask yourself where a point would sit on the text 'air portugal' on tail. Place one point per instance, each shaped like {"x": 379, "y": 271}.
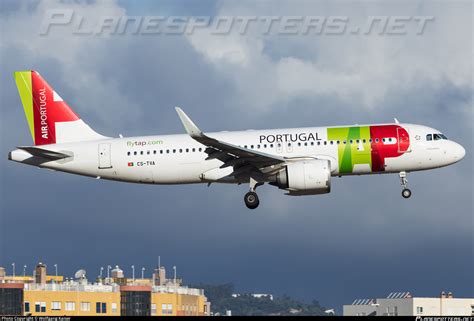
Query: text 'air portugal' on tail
{"x": 50, "y": 119}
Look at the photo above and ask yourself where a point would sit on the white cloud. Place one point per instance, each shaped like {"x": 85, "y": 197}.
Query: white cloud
{"x": 359, "y": 70}
{"x": 77, "y": 57}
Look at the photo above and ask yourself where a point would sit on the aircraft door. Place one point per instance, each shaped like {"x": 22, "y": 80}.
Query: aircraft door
{"x": 105, "y": 160}
{"x": 403, "y": 140}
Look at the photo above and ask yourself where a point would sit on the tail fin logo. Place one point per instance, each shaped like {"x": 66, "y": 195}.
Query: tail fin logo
{"x": 44, "y": 108}
{"x": 43, "y": 113}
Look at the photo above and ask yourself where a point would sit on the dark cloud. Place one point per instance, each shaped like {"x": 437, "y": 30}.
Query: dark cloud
{"x": 362, "y": 240}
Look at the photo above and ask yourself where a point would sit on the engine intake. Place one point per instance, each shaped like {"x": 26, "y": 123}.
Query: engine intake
{"x": 307, "y": 177}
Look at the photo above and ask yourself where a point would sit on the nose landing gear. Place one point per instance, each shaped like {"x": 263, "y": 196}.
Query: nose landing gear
{"x": 251, "y": 198}
{"x": 406, "y": 193}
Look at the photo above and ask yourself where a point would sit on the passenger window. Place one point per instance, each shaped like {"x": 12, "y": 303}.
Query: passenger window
{"x": 264, "y": 145}
{"x": 357, "y": 141}
{"x": 174, "y": 150}
{"x": 128, "y": 153}
{"x": 370, "y": 140}
{"x": 279, "y": 145}
{"x": 180, "y": 150}
{"x": 325, "y": 142}
{"x": 200, "y": 149}
{"x": 429, "y": 137}
{"x": 299, "y": 144}
{"x": 363, "y": 141}
{"x": 351, "y": 141}
{"x": 344, "y": 142}
{"x": 167, "y": 151}
{"x": 338, "y": 142}
{"x": 194, "y": 149}
{"x": 312, "y": 143}
{"x": 154, "y": 152}
{"x": 245, "y": 146}
{"x": 134, "y": 153}
{"x": 161, "y": 151}
{"x": 251, "y": 146}
{"x": 306, "y": 144}
{"x": 148, "y": 152}
{"x": 289, "y": 144}
{"x": 258, "y": 146}
{"x": 319, "y": 143}
{"x": 376, "y": 140}
{"x": 271, "y": 145}
{"x": 141, "y": 153}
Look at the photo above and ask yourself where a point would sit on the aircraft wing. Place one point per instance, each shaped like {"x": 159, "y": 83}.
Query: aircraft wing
{"x": 242, "y": 159}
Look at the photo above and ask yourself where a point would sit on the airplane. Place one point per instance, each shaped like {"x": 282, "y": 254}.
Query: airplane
{"x": 300, "y": 161}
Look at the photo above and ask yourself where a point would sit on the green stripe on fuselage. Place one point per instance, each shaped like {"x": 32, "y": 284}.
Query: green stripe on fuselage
{"x": 355, "y": 153}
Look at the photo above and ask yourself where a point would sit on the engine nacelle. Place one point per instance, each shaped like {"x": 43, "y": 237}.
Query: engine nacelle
{"x": 305, "y": 177}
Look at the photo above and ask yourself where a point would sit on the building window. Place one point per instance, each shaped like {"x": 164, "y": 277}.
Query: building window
{"x": 97, "y": 307}
{"x": 104, "y": 307}
{"x": 167, "y": 309}
{"x": 27, "y": 306}
{"x": 55, "y": 305}
{"x": 114, "y": 307}
{"x": 419, "y": 310}
{"x": 153, "y": 309}
{"x": 40, "y": 306}
{"x": 472, "y": 310}
{"x": 70, "y": 306}
{"x": 85, "y": 306}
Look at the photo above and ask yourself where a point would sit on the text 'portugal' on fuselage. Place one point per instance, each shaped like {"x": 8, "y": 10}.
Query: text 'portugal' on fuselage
{"x": 299, "y": 160}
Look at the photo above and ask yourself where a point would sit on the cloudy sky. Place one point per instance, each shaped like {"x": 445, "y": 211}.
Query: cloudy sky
{"x": 362, "y": 240}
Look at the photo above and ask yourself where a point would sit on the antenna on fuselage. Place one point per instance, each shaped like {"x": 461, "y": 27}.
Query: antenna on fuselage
{"x": 396, "y": 121}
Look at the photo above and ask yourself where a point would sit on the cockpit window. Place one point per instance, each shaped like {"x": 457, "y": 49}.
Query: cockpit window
{"x": 429, "y": 137}
{"x": 439, "y": 136}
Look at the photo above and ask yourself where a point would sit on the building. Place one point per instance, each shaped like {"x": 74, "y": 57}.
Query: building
{"x": 43, "y": 295}
{"x": 404, "y": 304}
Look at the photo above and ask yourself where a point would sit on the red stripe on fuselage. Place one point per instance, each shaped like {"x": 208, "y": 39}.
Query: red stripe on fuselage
{"x": 381, "y": 151}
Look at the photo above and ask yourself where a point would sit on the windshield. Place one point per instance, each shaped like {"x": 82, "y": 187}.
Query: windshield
{"x": 435, "y": 137}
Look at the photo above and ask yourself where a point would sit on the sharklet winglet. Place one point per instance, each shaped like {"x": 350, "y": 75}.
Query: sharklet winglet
{"x": 188, "y": 124}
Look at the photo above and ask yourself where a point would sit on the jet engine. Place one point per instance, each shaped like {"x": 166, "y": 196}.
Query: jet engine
{"x": 305, "y": 177}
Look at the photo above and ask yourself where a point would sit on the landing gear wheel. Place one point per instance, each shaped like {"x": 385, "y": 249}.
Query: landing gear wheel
{"x": 251, "y": 200}
{"x": 406, "y": 193}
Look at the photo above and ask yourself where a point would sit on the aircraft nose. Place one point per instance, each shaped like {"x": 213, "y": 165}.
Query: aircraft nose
{"x": 458, "y": 152}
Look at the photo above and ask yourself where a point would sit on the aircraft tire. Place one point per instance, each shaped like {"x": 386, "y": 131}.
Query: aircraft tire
{"x": 406, "y": 193}
{"x": 251, "y": 200}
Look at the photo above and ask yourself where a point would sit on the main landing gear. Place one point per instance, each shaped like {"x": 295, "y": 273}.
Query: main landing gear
{"x": 251, "y": 198}
{"x": 406, "y": 193}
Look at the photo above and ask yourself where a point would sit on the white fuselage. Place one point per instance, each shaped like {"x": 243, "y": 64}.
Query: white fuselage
{"x": 179, "y": 159}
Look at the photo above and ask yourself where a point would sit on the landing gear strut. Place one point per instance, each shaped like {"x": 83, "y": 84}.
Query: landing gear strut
{"x": 406, "y": 193}
{"x": 251, "y": 198}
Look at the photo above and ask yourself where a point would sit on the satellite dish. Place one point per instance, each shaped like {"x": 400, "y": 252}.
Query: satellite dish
{"x": 80, "y": 274}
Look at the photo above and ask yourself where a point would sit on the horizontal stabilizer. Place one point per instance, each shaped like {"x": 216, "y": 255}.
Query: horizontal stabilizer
{"x": 44, "y": 153}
